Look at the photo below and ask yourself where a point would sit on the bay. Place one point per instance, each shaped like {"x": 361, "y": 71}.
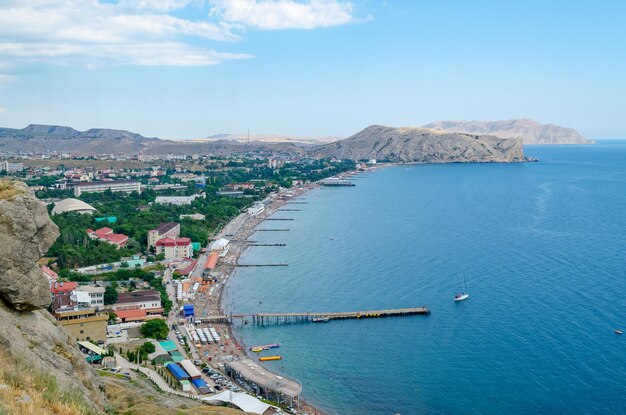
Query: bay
{"x": 542, "y": 246}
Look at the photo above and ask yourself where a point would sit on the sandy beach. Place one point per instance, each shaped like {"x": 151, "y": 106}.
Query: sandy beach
{"x": 211, "y": 303}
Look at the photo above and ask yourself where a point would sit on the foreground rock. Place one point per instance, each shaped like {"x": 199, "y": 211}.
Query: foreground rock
{"x": 29, "y": 335}
{"x": 530, "y": 131}
{"x": 27, "y": 232}
{"x": 414, "y": 144}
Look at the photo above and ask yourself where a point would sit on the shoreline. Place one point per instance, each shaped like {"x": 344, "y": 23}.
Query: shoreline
{"x": 238, "y": 231}
{"x": 246, "y": 230}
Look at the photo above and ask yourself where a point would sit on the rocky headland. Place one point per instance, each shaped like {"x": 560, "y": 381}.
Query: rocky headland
{"x": 415, "y": 144}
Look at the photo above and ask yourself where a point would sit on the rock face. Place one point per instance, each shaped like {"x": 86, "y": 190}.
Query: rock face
{"x": 27, "y": 333}
{"x": 530, "y": 131}
{"x": 414, "y": 144}
{"x": 27, "y": 233}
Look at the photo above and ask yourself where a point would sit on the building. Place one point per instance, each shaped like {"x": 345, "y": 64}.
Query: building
{"x": 51, "y": 275}
{"x": 107, "y": 235}
{"x": 164, "y": 230}
{"x": 11, "y": 167}
{"x": 230, "y": 193}
{"x": 127, "y": 186}
{"x": 149, "y": 300}
{"x": 83, "y": 324}
{"x": 61, "y": 294}
{"x": 95, "y": 296}
{"x": 136, "y": 315}
{"x": 174, "y": 248}
{"x": 194, "y": 216}
{"x": 72, "y": 205}
{"x": 177, "y": 200}
{"x": 221, "y": 246}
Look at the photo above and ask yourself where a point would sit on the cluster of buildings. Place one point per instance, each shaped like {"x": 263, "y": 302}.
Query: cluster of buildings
{"x": 80, "y": 309}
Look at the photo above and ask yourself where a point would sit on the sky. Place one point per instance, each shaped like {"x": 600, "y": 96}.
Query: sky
{"x": 193, "y": 68}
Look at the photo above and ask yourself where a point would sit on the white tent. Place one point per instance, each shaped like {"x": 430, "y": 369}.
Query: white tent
{"x": 242, "y": 401}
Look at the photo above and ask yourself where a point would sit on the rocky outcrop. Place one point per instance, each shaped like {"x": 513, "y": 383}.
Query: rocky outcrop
{"x": 414, "y": 144}
{"x": 530, "y": 131}
{"x": 27, "y": 233}
{"x": 28, "y": 333}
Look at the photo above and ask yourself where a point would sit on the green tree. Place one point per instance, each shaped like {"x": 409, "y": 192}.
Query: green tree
{"x": 148, "y": 347}
{"x": 110, "y": 295}
{"x": 155, "y": 329}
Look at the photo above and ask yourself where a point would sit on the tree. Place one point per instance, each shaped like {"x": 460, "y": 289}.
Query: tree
{"x": 112, "y": 316}
{"x": 110, "y": 295}
{"x": 148, "y": 347}
{"x": 155, "y": 329}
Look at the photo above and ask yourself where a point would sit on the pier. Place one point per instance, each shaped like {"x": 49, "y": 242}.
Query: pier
{"x": 264, "y": 244}
{"x": 280, "y": 264}
{"x": 289, "y": 210}
{"x": 278, "y": 318}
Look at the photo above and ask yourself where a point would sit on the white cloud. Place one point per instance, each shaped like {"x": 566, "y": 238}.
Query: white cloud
{"x": 6, "y": 78}
{"x": 2, "y": 110}
{"x": 284, "y": 14}
{"x": 147, "y": 32}
{"x": 89, "y": 32}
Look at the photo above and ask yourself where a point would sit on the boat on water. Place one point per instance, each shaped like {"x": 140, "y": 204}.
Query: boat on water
{"x": 258, "y": 349}
{"x": 618, "y": 331}
{"x": 463, "y": 295}
{"x": 268, "y": 358}
{"x": 320, "y": 320}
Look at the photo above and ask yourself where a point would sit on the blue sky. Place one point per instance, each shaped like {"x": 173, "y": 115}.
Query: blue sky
{"x": 192, "y": 68}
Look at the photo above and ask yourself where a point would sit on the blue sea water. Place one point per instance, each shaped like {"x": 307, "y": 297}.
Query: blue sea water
{"x": 543, "y": 249}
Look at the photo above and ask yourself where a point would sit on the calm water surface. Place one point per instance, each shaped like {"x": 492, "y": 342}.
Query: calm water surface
{"x": 543, "y": 249}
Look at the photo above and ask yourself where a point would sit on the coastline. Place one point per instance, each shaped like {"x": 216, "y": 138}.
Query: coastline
{"x": 244, "y": 229}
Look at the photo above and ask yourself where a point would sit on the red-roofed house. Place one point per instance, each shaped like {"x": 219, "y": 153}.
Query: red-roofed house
{"x": 107, "y": 235}
{"x": 51, "y": 275}
{"x": 61, "y": 293}
{"x": 164, "y": 230}
{"x": 174, "y": 248}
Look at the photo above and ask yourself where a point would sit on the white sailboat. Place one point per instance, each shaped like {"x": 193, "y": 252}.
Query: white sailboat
{"x": 464, "y": 295}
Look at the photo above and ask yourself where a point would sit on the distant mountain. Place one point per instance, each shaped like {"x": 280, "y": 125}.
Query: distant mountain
{"x": 415, "y": 144}
{"x": 530, "y": 131}
{"x": 48, "y": 138}
{"x": 271, "y": 138}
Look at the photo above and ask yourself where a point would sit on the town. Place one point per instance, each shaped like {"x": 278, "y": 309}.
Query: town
{"x": 143, "y": 253}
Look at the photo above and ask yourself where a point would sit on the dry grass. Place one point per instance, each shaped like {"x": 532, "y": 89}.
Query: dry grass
{"x": 25, "y": 391}
{"x": 7, "y": 190}
{"x": 140, "y": 397}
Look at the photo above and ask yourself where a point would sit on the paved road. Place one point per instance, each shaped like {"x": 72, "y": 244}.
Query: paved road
{"x": 151, "y": 374}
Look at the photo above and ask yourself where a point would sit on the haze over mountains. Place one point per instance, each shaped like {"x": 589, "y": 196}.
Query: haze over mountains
{"x": 48, "y": 138}
{"x": 443, "y": 141}
{"x": 531, "y": 132}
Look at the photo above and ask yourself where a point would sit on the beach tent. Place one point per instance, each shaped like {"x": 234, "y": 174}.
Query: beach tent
{"x": 242, "y": 401}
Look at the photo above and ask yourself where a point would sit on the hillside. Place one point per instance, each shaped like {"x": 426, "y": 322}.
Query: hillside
{"x": 530, "y": 131}
{"x": 48, "y": 138}
{"x": 414, "y": 144}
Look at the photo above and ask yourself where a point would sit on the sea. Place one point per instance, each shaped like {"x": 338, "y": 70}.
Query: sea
{"x": 542, "y": 247}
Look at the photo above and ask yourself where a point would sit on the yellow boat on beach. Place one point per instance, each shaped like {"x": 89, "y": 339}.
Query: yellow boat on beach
{"x": 267, "y": 358}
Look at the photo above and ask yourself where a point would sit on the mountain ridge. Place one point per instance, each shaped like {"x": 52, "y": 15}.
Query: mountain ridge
{"x": 531, "y": 131}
